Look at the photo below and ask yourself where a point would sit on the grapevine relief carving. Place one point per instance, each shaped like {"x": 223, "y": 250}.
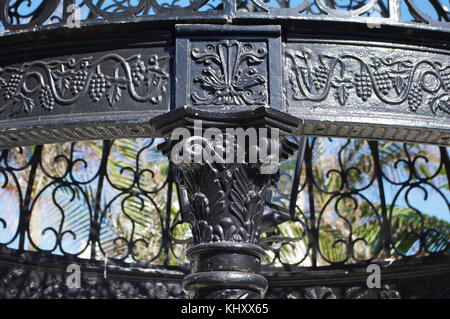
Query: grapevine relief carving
{"x": 393, "y": 81}
{"x": 65, "y": 82}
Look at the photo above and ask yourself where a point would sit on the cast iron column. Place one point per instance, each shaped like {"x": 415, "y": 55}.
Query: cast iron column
{"x": 227, "y": 76}
{"x": 226, "y": 207}
{"x": 225, "y": 183}
{"x": 226, "y": 201}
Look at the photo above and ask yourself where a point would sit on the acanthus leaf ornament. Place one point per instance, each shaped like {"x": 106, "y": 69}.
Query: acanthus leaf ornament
{"x": 234, "y": 213}
{"x": 230, "y": 75}
{"x": 226, "y": 199}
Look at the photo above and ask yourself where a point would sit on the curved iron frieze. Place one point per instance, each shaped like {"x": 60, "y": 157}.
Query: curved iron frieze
{"x": 394, "y": 81}
{"x": 345, "y": 82}
{"x": 22, "y": 281}
{"x": 72, "y": 89}
{"x": 64, "y": 83}
{"x": 30, "y": 283}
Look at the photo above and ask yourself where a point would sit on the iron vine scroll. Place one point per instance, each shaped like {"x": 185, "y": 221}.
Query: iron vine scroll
{"x": 66, "y": 82}
{"x": 316, "y": 77}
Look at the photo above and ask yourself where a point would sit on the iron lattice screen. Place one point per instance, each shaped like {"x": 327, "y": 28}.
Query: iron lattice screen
{"x": 354, "y": 202}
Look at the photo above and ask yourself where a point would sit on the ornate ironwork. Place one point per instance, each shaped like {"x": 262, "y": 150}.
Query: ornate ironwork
{"x": 66, "y": 82}
{"x": 23, "y": 14}
{"x": 58, "y": 176}
{"x": 226, "y": 200}
{"x": 392, "y": 81}
{"x": 230, "y": 76}
{"x": 27, "y": 281}
{"x": 128, "y": 69}
{"x": 358, "y": 191}
{"x": 339, "y": 85}
{"x": 86, "y": 192}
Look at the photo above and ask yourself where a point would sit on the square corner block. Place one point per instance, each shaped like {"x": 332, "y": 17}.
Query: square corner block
{"x": 228, "y": 67}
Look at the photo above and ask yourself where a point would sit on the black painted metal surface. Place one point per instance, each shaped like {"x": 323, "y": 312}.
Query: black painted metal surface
{"x": 19, "y": 16}
{"x": 326, "y": 64}
{"x": 425, "y": 279}
{"x": 375, "y": 69}
{"x": 226, "y": 200}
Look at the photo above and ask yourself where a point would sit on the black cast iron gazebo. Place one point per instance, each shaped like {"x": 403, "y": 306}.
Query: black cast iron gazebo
{"x": 90, "y": 92}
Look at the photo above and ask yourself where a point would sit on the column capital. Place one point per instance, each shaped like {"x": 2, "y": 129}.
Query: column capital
{"x": 226, "y": 195}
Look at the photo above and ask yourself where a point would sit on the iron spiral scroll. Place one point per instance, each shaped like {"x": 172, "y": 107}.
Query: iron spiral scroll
{"x": 23, "y": 15}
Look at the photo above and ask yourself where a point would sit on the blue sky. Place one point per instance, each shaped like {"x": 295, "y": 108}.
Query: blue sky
{"x": 424, "y": 5}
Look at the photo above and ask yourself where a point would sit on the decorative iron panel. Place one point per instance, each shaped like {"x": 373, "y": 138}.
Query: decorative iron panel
{"x": 343, "y": 83}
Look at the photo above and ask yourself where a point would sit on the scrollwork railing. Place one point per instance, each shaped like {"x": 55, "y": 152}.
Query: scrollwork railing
{"x": 28, "y": 14}
{"x": 360, "y": 202}
{"x": 353, "y": 202}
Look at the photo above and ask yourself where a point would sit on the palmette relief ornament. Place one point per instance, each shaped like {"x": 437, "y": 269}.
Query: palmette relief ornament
{"x": 231, "y": 74}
